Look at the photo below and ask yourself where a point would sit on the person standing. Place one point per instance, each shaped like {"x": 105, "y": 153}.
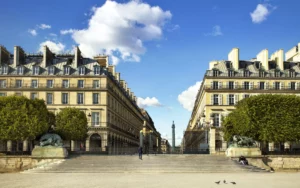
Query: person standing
{"x": 140, "y": 150}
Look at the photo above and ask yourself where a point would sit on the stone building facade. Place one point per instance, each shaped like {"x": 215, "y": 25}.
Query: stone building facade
{"x": 229, "y": 81}
{"x": 165, "y": 146}
{"x": 91, "y": 85}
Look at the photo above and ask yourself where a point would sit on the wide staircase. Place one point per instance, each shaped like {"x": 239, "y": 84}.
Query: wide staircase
{"x": 149, "y": 164}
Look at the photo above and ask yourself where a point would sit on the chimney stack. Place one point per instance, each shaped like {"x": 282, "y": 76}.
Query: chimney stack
{"x": 4, "y": 55}
{"x": 263, "y": 57}
{"x": 47, "y": 57}
{"x": 19, "y": 56}
{"x": 77, "y": 56}
{"x": 278, "y": 57}
{"x": 233, "y": 56}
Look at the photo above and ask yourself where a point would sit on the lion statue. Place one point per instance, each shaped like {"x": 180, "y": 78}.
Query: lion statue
{"x": 51, "y": 139}
{"x": 242, "y": 141}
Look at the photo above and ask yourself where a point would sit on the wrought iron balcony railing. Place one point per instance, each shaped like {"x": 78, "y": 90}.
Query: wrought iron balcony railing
{"x": 255, "y": 87}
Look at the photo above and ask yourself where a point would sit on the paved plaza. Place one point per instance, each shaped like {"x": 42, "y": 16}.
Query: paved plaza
{"x": 153, "y": 171}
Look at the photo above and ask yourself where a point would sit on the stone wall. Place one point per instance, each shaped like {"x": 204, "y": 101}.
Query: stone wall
{"x": 279, "y": 163}
{"x": 19, "y": 163}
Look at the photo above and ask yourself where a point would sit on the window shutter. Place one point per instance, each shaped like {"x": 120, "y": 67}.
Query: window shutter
{"x": 267, "y": 85}
{"x": 220, "y": 85}
{"x": 235, "y": 84}
{"x": 220, "y": 120}
{"x": 211, "y": 85}
{"x": 220, "y": 99}
{"x": 227, "y": 99}
{"x": 281, "y": 85}
{"x": 258, "y": 85}
{"x": 212, "y": 99}
{"x": 251, "y": 85}
{"x": 226, "y": 85}
{"x": 289, "y": 85}
{"x": 236, "y": 99}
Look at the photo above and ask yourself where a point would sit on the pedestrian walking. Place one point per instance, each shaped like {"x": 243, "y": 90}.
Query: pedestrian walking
{"x": 140, "y": 150}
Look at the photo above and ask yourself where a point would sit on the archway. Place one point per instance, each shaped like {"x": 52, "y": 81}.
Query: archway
{"x": 95, "y": 142}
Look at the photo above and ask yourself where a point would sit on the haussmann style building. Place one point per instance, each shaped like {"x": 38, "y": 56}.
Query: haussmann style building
{"x": 116, "y": 125}
{"x": 228, "y": 81}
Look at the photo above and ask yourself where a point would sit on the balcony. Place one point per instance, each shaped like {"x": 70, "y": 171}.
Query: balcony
{"x": 251, "y": 88}
{"x": 52, "y": 87}
{"x": 225, "y": 74}
{"x": 96, "y": 125}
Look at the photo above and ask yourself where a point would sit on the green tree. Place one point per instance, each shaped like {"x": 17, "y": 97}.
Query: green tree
{"x": 269, "y": 117}
{"x": 71, "y": 124}
{"x": 22, "y": 118}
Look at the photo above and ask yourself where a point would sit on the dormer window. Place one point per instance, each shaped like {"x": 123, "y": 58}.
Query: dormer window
{"x": 66, "y": 70}
{"x": 246, "y": 73}
{"x": 230, "y": 73}
{"x": 51, "y": 70}
{"x": 20, "y": 70}
{"x": 292, "y": 73}
{"x": 277, "y": 73}
{"x": 5, "y": 69}
{"x": 261, "y": 73}
{"x": 215, "y": 73}
{"x": 35, "y": 70}
{"x": 81, "y": 70}
{"x": 96, "y": 70}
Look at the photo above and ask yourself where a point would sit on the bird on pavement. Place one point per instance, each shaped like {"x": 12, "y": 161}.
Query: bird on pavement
{"x": 233, "y": 183}
{"x": 224, "y": 182}
{"x": 218, "y": 182}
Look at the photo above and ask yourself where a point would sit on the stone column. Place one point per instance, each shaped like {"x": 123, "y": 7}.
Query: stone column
{"x": 110, "y": 145}
{"x": 212, "y": 140}
{"x": 9, "y": 145}
{"x": 115, "y": 143}
{"x": 271, "y": 146}
{"x": 150, "y": 143}
{"x": 73, "y": 145}
{"x": 25, "y": 145}
{"x": 104, "y": 142}
{"x": 87, "y": 145}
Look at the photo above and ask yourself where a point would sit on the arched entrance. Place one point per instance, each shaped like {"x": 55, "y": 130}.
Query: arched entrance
{"x": 95, "y": 142}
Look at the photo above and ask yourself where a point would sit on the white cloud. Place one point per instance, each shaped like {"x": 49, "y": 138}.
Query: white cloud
{"x": 54, "y": 47}
{"x": 120, "y": 29}
{"x": 216, "y": 31}
{"x": 53, "y": 34}
{"x": 44, "y": 26}
{"x": 261, "y": 12}
{"x": 69, "y": 31}
{"x": 187, "y": 97}
{"x": 32, "y": 32}
{"x": 143, "y": 103}
{"x": 173, "y": 28}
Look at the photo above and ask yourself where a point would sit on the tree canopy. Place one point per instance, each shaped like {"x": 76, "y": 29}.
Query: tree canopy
{"x": 22, "y": 118}
{"x": 71, "y": 124}
{"x": 272, "y": 118}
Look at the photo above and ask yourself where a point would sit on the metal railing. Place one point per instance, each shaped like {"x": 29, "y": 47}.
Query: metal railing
{"x": 54, "y": 86}
{"x": 254, "y": 87}
{"x": 250, "y": 75}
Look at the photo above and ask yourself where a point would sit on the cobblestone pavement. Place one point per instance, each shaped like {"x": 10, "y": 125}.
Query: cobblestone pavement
{"x": 148, "y": 180}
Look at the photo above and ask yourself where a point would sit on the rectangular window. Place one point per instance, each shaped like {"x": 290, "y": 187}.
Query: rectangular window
{"x": 277, "y": 85}
{"x": 215, "y": 85}
{"x": 95, "y": 98}
{"x": 66, "y": 70}
{"x": 293, "y": 85}
{"x": 215, "y": 73}
{"x": 65, "y": 83}
{"x": 96, "y": 70}
{"x": 216, "y": 99}
{"x": 261, "y": 74}
{"x": 292, "y": 73}
{"x": 230, "y": 85}
{"x": 216, "y": 120}
{"x": 18, "y": 94}
{"x": 65, "y": 98}
{"x": 18, "y": 83}
{"x": 246, "y": 73}
{"x": 2, "y": 83}
{"x": 2, "y": 94}
{"x": 80, "y": 84}
{"x": 96, "y": 84}
{"x": 20, "y": 70}
{"x": 230, "y": 99}
{"x": 230, "y": 73}
{"x": 261, "y": 85}
{"x": 51, "y": 70}
{"x": 81, "y": 70}
{"x": 246, "y": 85}
{"x": 33, "y": 96}
{"x": 5, "y": 69}
{"x": 95, "y": 119}
{"x": 79, "y": 98}
{"x": 277, "y": 73}
{"x": 35, "y": 70}
{"x": 246, "y": 96}
{"x": 49, "y": 83}
{"x": 49, "y": 98}
{"x": 34, "y": 83}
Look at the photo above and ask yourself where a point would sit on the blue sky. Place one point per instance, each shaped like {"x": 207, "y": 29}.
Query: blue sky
{"x": 161, "y": 48}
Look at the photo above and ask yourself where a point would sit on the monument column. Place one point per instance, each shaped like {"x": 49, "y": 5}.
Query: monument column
{"x": 173, "y": 137}
{"x": 104, "y": 141}
{"x": 212, "y": 140}
{"x": 25, "y": 145}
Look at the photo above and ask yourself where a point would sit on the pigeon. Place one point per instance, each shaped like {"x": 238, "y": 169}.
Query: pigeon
{"x": 218, "y": 182}
{"x": 224, "y": 182}
{"x": 233, "y": 183}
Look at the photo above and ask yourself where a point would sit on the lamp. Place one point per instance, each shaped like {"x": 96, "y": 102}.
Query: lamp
{"x": 89, "y": 115}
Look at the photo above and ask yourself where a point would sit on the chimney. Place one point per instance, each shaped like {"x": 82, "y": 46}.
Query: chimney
{"x": 233, "y": 56}
{"x": 77, "y": 56}
{"x": 118, "y": 76}
{"x": 293, "y": 54}
{"x": 128, "y": 91}
{"x": 212, "y": 64}
{"x": 263, "y": 57}
{"x": 47, "y": 57}
{"x": 4, "y": 55}
{"x": 112, "y": 69}
{"x": 19, "y": 56}
{"x": 278, "y": 57}
{"x": 132, "y": 95}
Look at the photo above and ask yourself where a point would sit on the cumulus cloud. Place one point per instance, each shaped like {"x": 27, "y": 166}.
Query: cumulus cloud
{"x": 261, "y": 12}
{"x": 187, "y": 97}
{"x": 143, "y": 103}
{"x": 32, "y": 32}
{"x": 121, "y": 29}
{"x": 54, "y": 47}
{"x": 216, "y": 31}
{"x": 44, "y": 26}
{"x": 69, "y": 31}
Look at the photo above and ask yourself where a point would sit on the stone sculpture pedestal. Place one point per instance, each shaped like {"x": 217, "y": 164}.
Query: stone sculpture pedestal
{"x": 49, "y": 152}
{"x": 237, "y": 152}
